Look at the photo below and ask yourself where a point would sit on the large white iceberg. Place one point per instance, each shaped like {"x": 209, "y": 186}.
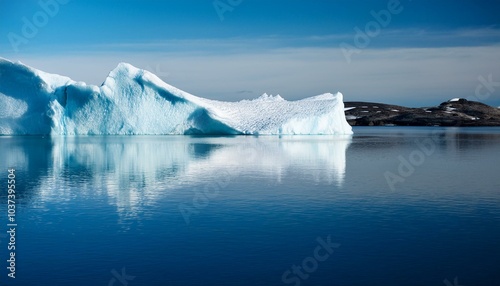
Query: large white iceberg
{"x": 135, "y": 101}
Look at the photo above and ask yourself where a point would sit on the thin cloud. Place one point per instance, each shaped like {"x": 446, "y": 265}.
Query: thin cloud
{"x": 388, "y": 38}
{"x": 413, "y": 76}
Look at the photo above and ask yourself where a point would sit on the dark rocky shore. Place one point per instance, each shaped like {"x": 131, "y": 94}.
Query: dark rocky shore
{"x": 456, "y": 112}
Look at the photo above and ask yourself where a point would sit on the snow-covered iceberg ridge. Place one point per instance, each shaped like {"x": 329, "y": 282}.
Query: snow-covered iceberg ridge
{"x": 135, "y": 101}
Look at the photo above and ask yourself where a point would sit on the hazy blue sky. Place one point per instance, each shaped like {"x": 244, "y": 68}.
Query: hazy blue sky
{"x": 412, "y": 52}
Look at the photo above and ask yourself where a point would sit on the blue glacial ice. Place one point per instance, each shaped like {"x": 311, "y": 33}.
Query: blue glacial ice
{"x": 135, "y": 101}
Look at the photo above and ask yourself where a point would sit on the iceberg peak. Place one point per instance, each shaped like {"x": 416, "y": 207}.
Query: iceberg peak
{"x": 125, "y": 69}
{"x": 270, "y": 97}
{"x": 135, "y": 101}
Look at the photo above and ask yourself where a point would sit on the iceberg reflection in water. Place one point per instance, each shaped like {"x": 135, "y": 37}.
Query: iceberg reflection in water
{"x": 135, "y": 172}
{"x": 89, "y": 205}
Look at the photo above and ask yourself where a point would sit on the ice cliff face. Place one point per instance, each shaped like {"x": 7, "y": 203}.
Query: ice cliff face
{"x": 135, "y": 101}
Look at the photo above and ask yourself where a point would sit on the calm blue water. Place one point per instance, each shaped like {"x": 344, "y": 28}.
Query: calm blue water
{"x": 388, "y": 206}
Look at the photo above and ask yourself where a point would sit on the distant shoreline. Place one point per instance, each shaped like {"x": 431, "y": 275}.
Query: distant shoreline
{"x": 458, "y": 112}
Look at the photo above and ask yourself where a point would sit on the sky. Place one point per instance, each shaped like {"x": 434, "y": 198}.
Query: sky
{"x": 408, "y": 52}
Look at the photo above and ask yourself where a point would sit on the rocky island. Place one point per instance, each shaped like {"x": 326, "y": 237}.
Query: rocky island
{"x": 455, "y": 112}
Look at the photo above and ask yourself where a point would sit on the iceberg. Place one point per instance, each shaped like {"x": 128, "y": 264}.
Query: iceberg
{"x": 135, "y": 101}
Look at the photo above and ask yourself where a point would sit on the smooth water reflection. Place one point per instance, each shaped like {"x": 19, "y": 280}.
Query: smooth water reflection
{"x": 91, "y": 205}
{"x": 134, "y": 172}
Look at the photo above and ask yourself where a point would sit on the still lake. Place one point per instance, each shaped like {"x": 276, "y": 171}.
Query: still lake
{"x": 386, "y": 206}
